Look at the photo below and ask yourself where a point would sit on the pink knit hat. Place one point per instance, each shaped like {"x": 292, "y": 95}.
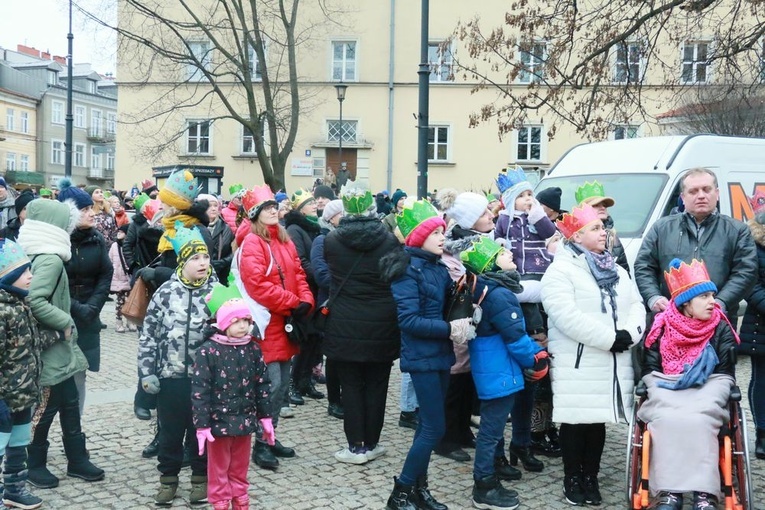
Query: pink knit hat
{"x": 417, "y": 237}
{"x": 230, "y": 311}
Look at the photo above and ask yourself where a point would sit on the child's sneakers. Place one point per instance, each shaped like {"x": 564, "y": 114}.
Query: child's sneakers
{"x": 16, "y": 494}
{"x": 352, "y": 455}
{"x": 198, "y": 494}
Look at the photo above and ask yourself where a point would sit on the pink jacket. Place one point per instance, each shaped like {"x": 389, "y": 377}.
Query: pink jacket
{"x": 229, "y": 215}
{"x": 120, "y": 279}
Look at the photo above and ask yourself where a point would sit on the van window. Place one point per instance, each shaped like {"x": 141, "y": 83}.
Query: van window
{"x": 635, "y": 197}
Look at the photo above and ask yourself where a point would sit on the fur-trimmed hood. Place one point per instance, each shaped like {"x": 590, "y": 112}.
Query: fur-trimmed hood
{"x": 393, "y": 265}
{"x": 758, "y": 232}
{"x": 299, "y": 219}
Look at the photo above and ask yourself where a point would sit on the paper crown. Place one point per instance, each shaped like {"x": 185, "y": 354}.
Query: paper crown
{"x": 219, "y": 295}
{"x": 254, "y": 199}
{"x": 686, "y": 281}
{"x": 11, "y": 257}
{"x": 184, "y": 235}
{"x": 576, "y": 220}
{"x": 300, "y": 198}
{"x": 147, "y": 184}
{"x": 235, "y": 190}
{"x": 413, "y": 214}
{"x": 45, "y": 192}
{"x": 140, "y": 200}
{"x": 481, "y": 254}
{"x": 226, "y": 305}
{"x": 510, "y": 178}
{"x": 180, "y": 190}
{"x": 757, "y": 201}
{"x": 356, "y": 199}
{"x": 592, "y": 192}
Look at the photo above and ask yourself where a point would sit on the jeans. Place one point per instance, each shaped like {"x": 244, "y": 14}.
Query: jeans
{"x": 521, "y": 419}
{"x": 365, "y": 392}
{"x": 757, "y": 391}
{"x": 174, "y": 412}
{"x": 431, "y": 388}
{"x": 408, "y": 401}
{"x": 490, "y": 442}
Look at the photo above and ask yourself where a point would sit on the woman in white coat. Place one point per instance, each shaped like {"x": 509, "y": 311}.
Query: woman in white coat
{"x": 595, "y": 316}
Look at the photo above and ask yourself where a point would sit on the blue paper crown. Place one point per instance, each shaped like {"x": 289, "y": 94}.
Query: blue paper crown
{"x": 510, "y": 178}
{"x": 184, "y": 235}
{"x": 11, "y": 257}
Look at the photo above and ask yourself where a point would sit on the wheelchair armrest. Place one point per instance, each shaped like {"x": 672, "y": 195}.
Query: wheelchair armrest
{"x": 641, "y": 390}
{"x": 735, "y": 394}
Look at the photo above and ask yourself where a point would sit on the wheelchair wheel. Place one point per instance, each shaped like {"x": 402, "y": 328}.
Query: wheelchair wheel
{"x": 740, "y": 459}
{"x": 634, "y": 465}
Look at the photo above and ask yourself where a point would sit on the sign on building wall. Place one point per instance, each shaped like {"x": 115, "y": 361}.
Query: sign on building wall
{"x": 302, "y": 167}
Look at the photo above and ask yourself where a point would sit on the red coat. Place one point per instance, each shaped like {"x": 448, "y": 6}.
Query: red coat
{"x": 229, "y": 215}
{"x": 264, "y": 285}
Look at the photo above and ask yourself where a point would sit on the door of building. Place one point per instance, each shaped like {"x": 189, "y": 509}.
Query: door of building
{"x": 349, "y": 156}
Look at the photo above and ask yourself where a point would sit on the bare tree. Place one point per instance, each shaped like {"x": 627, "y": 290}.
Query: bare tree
{"x": 222, "y": 59}
{"x": 595, "y": 64}
{"x": 720, "y": 112}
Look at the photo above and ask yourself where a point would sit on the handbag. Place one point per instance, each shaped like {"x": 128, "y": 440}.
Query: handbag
{"x": 459, "y": 301}
{"x": 321, "y": 315}
{"x": 137, "y": 302}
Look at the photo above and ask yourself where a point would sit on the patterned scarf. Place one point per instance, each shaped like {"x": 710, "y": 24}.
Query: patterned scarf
{"x": 603, "y": 269}
{"x": 169, "y": 225}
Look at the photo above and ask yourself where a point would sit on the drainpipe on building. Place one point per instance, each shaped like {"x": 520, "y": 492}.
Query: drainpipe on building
{"x": 423, "y": 106}
{"x": 391, "y": 66}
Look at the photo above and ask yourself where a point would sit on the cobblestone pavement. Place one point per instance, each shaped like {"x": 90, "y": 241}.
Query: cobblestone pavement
{"x": 312, "y": 480}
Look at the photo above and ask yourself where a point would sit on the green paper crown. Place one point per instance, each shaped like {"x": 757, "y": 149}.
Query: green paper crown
{"x": 235, "y": 188}
{"x": 356, "y": 200}
{"x": 481, "y": 255}
{"x": 140, "y": 200}
{"x": 184, "y": 235}
{"x": 45, "y": 192}
{"x": 589, "y": 190}
{"x": 413, "y": 214}
{"x": 219, "y": 295}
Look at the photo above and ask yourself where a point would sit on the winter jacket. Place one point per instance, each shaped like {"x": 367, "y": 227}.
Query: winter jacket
{"x": 228, "y": 214}
{"x": 614, "y": 245}
{"x": 105, "y": 224}
{"x": 222, "y": 252}
{"x": 8, "y": 208}
{"x": 753, "y": 324}
{"x": 501, "y": 348}
{"x": 90, "y": 276}
{"x": 321, "y": 273}
{"x": 172, "y": 329}
{"x": 723, "y": 342}
{"x": 229, "y": 388}
{"x": 20, "y": 346}
{"x": 420, "y": 283}
{"x": 590, "y": 383}
{"x": 362, "y": 320}
{"x": 303, "y": 232}
{"x": 120, "y": 278}
{"x": 11, "y": 230}
{"x": 140, "y": 244}
{"x": 723, "y": 242}
{"x": 272, "y": 275}
{"x": 526, "y": 241}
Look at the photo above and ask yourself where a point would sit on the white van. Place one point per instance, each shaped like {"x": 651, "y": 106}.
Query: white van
{"x": 643, "y": 174}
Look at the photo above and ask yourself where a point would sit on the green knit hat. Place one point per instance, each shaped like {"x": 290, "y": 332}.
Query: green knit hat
{"x": 481, "y": 255}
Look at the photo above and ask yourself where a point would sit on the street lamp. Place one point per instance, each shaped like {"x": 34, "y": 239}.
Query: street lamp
{"x": 341, "y": 87}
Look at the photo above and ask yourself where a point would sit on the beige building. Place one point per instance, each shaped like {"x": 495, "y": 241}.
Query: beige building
{"x": 376, "y": 54}
{"x": 18, "y": 124}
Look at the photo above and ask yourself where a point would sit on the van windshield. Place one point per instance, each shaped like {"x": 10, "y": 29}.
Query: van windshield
{"x": 635, "y": 196}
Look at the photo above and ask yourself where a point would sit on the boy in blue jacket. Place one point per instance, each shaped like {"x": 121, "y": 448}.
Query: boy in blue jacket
{"x": 501, "y": 356}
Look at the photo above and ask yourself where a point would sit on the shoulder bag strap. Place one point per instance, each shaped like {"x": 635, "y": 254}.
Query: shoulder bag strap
{"x": 340, "y": 287}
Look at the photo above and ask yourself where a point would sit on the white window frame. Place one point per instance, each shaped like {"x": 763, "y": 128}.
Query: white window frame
{"x": 25, "y": 122}
{"x": 92, "y": 86}
{"x": 95, "y": 159}
{"x": 628, "y": 131}
{"x": 247, "y": 138}
{"x": 440, "y": 63}
{"x": 622, "y": 69}
{"x": 24, "y": 162}
{"x": 528, "y": 129}
{"x": 344, "y": 61}
{"x": 197, "y": 123}
{"x": 529, "y": 69}
{"x": 350, "y": 131}
{"x": 111, "y": 123}
{"x": 201, "y": 50}
{"x": 10, "y": 119}
{"x": 254, "y": 64}
{"x": 52, "y": 77}
{"x": 110, "y": 160}
{"x": 436, "y": 129}
{"x": 78, "y": 155}
{"x": 694, "y": 63}
{"x": 57, "y": 112}
{"x": 96, "y": 123}
{"x": 79, "y": 116}
{"x": 10, "y": 161}
{"x": 57, "y": 151}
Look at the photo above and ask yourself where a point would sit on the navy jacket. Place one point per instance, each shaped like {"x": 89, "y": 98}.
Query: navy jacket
{"x": 753, "y": 325}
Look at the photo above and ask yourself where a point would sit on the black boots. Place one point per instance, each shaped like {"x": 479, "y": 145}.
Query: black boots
{"x": 488, "y": 492}
{"x": 423, "y": 498}
{"x": 263, "y": 456}
{"x": 504, "y": 471}
{"x": 296, "y": 399}
{"x": 408, "y": 419}
{"x": 279, "y": 450}
{"x": 152, "y": 449}
{"x": 402, "y": 497}
{"x": 15, "y": 492}
{"x": 307, "y": 389}
{"x": 530, "y": 463}
{"x": 79, "y": 466}
{"x": 759, "y": 445}
{"x": 38, "y": 475}
{"x": 546, "y": 443}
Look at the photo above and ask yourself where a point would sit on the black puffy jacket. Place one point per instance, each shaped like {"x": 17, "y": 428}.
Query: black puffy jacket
{"x": 753, "y": 325}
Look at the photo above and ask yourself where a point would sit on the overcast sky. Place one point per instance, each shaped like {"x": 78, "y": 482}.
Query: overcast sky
{"x": 44, "y": 24}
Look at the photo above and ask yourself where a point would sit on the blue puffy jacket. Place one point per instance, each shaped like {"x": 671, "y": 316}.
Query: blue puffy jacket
{"x": 501, "y": 348}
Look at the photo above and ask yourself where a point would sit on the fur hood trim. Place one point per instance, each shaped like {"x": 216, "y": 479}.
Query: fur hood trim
{"x": 393, "y": 265}
{"x": 74, "y": 216}
{"x": 299, "y": 220}
{"x": 758, "y": 232}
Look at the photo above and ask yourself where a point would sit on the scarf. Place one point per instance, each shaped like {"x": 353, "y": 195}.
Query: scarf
{"x": 38, "y": 237}
{"x": 313, "y": 219}
{"x": 188, "y": 250}
{"x": 603, "y": 269}
{"x": 224, "y": 339}
{"x": 169, "y": 226}
{"x": 509, "y": 279}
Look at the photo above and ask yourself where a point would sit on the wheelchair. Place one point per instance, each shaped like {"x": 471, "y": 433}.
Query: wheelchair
{"x": 734, "y": 457}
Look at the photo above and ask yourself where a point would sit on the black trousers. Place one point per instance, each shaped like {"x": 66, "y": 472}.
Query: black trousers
{"x": 303, "y": 363}
{"x": 365, "y": 391}
{"x": 459, "y": 407}
{"x": 334, "y": 396}
{"x": 582, "y": 447}
{"x": 174, "y": 411}
{"x": 64, "y": 401}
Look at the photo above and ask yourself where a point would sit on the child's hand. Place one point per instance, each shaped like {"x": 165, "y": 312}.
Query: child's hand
{"x": 269, "y": 436}
{"x": 5, "y": 416}
{"x": 536, "y": 212}
{"x": 204, "y": 435}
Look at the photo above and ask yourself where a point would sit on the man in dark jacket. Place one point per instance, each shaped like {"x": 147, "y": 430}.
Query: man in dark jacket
{"x": 140, "y": 245}
{"x": 701, "y": 232}
{"x": 11, "y": 230}
{"x": 222, "y": 238}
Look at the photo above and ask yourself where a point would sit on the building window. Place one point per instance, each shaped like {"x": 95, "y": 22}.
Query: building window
{"x": 438, "y": 143}
{"x": 57, "y": 114}
{"x": 24, "y": 164}
{"x": 110, "y": 160}
{"x": 248, "y": 142}
{"x": 79, "y": 155}
{"x": 96, "y": 126}
{"x": 92, "y": 87}
{"x": 57, "y": 152}
{"x": 52, "y": 77}
{"x": 624, "y": 132}
{"x": 95, "y": 159}
{"x": 529, "y": 144}
{"x": 627, "y": 67}
{"x": 10, "y": 161}
{"x": 201, "y": 54}
{"x": 349, "y": 131}
{"x": 695, "y": 63}
{"x": 10, "y": 123}
{"x": 440, "y": 62}
{"x": 343, "y": 60}
{"x": 25, "y": 122}
{"x": 111, "y": 123}
{"x": 79, "y": 117}
{"x": 532, "y": 58}
{"x": 256, "y": 72}
{"x": 198, "y": 137}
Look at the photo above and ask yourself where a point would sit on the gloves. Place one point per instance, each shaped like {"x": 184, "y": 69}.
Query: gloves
{"x": 204, "y": 435}
{"x": 536, "y": 213}
{"x": 540, "y": 368}
{"x": 269, "y": 436}
{"x": 5, "y": 416}
{"x": 461, "y": 330}
{"x": 301, "y": 310}
{"x": 623, "y": 341}
{"x": 147, "y": 274}
{"x": 150, "y": 384}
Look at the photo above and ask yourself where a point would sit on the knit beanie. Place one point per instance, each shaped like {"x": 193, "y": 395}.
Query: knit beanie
{"x": 397, "y": 195}
{"x": 67, "y": 191}
{"x": 206, "y": 196}
{"x": 180, "y": 190}
{"x": 324, "y": 191}
{"x": 13, "y": 263}
{"x": 281, "y": 196}
{"x": 551, "y": 198}
{"x": 332, "y": 209}
{"x": 686, "y": 281}
{"x": 91, "y": 189}
{"x": 464, "y": 208}
{"x": 23, "y": 199}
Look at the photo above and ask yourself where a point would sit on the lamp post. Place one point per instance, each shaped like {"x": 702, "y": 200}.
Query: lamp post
{"x": 340, "y": 88}
{"x": 68, "y": 145}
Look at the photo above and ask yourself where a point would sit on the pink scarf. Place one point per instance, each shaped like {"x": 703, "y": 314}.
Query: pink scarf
{"x": 684, "y": 337}
{"x": 230, "y": 340}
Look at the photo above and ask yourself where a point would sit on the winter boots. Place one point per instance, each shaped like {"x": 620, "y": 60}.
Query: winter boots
{"x": 402, "y": 497}
{"x": 241, "y": 502}
{"x": 488, "y": 492}
{"x": 168, "y": 486}
{"x": 15, "y": 492}
{"x": 759, "y": 445}
{"x": 79, "y": 466}
{"x": 198, "y": 494}
{"x": 39, "y": 476}
{"x": 307, "y": 388}
{"x": 263, "y": 456}
{"x": 423, "y": 498}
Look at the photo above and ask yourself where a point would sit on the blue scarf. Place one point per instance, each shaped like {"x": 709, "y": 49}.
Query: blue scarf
{"x": 695, "y": 375}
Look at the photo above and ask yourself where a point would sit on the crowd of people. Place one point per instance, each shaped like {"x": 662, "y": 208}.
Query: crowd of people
{"x": 258, "y": 300}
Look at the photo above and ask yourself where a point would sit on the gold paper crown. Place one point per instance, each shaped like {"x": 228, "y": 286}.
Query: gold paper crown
{"x": 573, "y": 222}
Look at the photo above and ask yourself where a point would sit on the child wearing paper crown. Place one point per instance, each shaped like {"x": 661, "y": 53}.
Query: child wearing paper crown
{"x": 688, "y": 369}
{"x": 20, "y": 346}
{"x": 420, "y": 283}
{"x": 172, "y": 333}
{"x": 229, "y": 398}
